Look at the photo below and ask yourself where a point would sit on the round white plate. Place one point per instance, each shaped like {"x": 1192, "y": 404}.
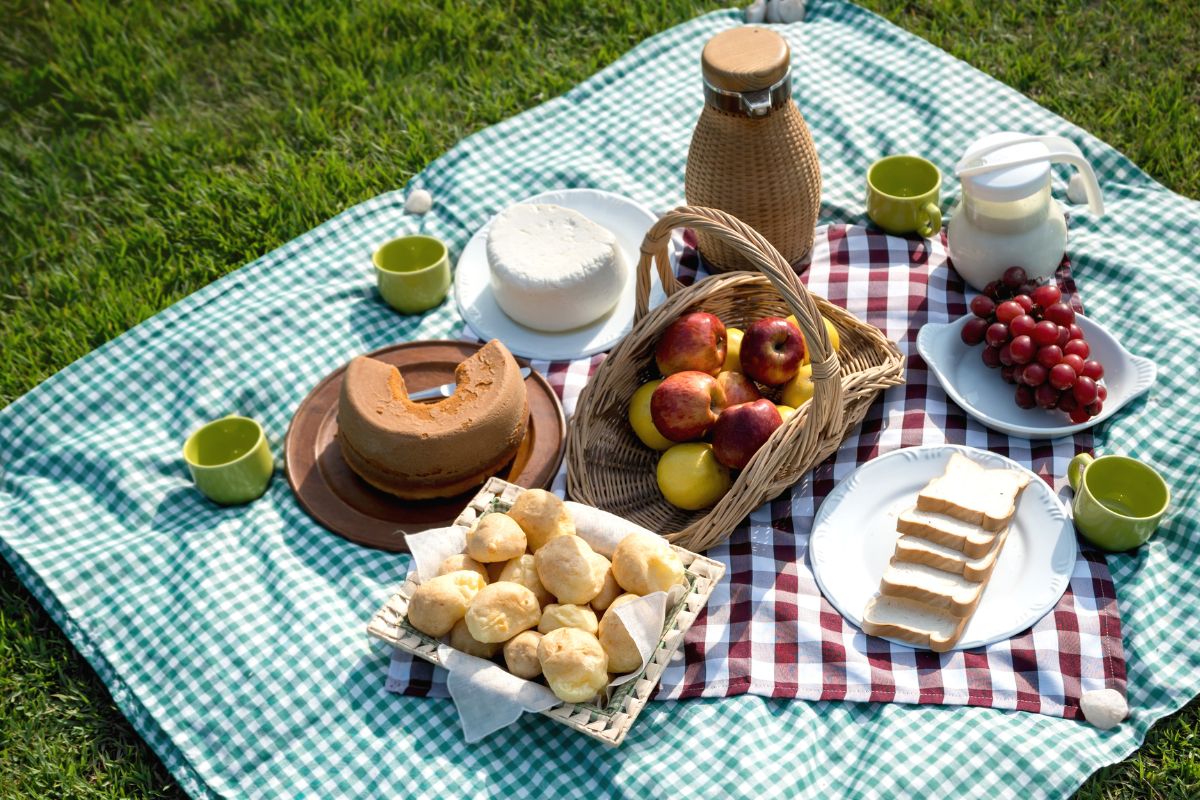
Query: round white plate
{"x": 984, "y": 395}
{"x": 627, "y": 219}
{"x": 854, "y": 536}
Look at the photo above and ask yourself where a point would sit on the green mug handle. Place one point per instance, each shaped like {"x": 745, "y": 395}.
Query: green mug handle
{"x": 1075, "y": 469}
{"x": 929, "y": 220}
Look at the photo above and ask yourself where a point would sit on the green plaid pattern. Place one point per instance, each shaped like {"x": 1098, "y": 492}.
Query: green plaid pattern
{"x": 233, "y": 638}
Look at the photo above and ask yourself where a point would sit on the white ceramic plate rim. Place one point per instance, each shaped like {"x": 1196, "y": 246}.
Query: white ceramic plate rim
{"x": 488, "y": 321}
{"x": 934, "y": 334}
{"x": 829, "y": 549}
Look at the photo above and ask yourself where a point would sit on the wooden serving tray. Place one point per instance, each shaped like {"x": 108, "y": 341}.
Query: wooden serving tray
{"x": 610, "y": 722}
{"x": 338, "y": 499}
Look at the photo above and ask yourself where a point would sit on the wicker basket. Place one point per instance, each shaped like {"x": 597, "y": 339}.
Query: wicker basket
{"x": 609, "y": 467}
{"x": 609, "y": 722}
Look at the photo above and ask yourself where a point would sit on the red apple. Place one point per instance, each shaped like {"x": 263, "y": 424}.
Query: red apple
{"x": 685, "y": 405}
{"x": 772, "y": 350}
{"x": 695, "y": 341}
{"x": 738, "y": 388}
{"x": 742, "y": 429}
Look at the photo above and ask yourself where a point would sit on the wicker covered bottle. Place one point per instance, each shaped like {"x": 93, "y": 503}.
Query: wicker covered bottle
{"x": 751, "y": 153}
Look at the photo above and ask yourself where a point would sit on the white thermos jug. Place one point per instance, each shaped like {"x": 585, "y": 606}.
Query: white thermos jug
{"x": 1006, "y": 216}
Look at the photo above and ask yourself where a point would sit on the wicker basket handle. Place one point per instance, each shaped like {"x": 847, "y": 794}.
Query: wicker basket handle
{"x": 761, "y": 254}
{"x": 826, "y": 408}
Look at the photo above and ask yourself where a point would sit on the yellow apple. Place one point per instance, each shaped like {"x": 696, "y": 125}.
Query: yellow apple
{"x": 639, "y": 418}
{"x": 833, "y": 334}
{"x": 733, "y": 350}
{"x": 691, "y": 478}
{"x": 834, "y": 338}
{"x": 784, "y": 411}
{"x": 799, "y": 390}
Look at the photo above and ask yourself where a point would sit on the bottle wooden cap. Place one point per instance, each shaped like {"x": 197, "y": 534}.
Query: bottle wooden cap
{"x": 745, "y": 59}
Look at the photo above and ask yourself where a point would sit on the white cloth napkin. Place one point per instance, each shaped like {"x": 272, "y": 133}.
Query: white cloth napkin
{"x": 430, "y": 548}
{"x": 487, "y": 696}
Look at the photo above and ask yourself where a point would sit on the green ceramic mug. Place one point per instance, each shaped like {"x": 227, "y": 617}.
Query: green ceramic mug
{"x": 413, "y": 273}
{"x": 1119, "y": 501}
{"x": 230, "y": 460}
{"x": 902, "y": 195}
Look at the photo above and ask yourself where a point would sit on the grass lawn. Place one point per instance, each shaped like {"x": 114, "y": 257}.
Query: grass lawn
{"x": 147, "y": 149}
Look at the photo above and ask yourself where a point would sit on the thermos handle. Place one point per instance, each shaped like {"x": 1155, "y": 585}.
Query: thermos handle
{"x": 756, "y": 104}
{"x": 1062, "y": 151}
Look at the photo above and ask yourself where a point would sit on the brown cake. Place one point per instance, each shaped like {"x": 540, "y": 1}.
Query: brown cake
{"x": 425, "y": 450}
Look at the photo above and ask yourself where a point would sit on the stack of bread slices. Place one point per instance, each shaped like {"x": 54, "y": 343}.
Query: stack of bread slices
{"x": 949, "y": 543}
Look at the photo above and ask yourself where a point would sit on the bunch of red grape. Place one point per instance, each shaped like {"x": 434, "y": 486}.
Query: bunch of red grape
{"x": 1031, "y": 336}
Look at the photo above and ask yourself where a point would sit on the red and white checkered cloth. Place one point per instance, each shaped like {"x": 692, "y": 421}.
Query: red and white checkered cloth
{"x": 768, "y": 631}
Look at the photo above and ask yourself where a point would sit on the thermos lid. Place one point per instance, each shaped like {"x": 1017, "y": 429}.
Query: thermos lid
{"x": 747, "y": 71}
{"x": 745, "y": 59}
{"x": 1009, "y": 166}
{"x": 1005, "y": 184}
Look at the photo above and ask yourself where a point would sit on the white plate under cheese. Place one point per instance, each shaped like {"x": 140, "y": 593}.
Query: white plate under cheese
{"x": 552, "y": 268}
{"x": 627, "y": 219}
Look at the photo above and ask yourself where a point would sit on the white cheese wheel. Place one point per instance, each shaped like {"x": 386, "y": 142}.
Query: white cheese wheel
{"x": 552, "y": 268}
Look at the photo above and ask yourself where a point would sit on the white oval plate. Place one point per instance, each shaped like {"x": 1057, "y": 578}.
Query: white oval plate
{"x": 626, "y": 218}
{"x": 854, "y": 536}
{"x": 984, "y": 395}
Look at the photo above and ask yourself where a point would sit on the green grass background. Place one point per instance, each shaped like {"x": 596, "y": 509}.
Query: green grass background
{"x": 147, "y": 148}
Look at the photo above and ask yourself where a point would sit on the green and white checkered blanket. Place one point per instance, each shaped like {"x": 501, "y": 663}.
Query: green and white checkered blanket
{"x": 233, "y": 639}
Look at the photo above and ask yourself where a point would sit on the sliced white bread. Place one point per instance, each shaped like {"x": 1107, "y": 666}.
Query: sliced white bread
{"x": 932, "y": 586}
{"x": 975, "y": 494}
{"x": 913, "y": 622}
{"x": 972, "y": 540}
{"x": 922, "y": 551}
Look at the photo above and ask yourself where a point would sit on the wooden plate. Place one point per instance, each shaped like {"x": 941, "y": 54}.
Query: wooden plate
{"x": 338, "y": 499}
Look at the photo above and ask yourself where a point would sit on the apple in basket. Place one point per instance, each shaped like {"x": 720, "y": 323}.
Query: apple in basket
{"x": 772, "y": 351}
{"x": 695, "y": 341}
{"x": 800, "y": 389}
{"x": 641, "y": 421}
{"x": 742, "y": 429}
{"x": 733, "y": 350}
{"x": 834, "y": 338}
{"x": 690, "y": 477}
{"x": 685, "y": 405}
{"x": 738, "y": 388}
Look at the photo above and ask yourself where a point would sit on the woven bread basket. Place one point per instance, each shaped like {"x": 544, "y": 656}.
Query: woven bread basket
{"x": 612, "y": 715}
{"x": 607, "y": 465}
